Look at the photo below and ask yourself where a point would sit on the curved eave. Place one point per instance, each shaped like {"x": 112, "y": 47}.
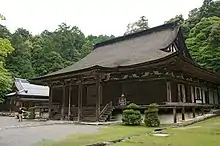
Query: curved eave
{"x": 187, "y": 65}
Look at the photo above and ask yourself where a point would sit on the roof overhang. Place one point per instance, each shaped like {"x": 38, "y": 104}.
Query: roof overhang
{"x": 176, "y": 60}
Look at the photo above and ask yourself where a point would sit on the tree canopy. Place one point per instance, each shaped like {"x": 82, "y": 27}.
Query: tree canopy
{"x": 204, "y": 43}
{"x": 139, "y": 25}
{"x": 5, "y": 77}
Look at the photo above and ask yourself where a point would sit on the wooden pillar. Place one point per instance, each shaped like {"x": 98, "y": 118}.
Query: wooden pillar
{"x": 194, "y": 112}
{"x": 174, "y": 115}
{"x": 179, "y": 92}
{"x": 183, "y": 93}
{"x": 169, "y": 95}
{"x": 200, "y": 94}
{"x": 183, "y": 113}
{"x": 69, "y": 108}
{"x": 192, "y": 94}
{"x": 98, "y": 97}
{"x": 80, "y": 91}
{"x": 203, "y": 95}
{"x": 63, "y": 103}
{"x": 50, "y": 102}
{"x": 101, "y": 98}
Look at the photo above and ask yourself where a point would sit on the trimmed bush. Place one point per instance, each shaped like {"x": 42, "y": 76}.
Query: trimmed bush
{"x": 131, "y": 115}
{"x": 133, "y": 106}
{"x": 25, "y": 115}
{"x": 32, "y": 114}
{"x": 151, "y": 116}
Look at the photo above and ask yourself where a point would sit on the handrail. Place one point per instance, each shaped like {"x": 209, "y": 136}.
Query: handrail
{"x": 105, "y": 108}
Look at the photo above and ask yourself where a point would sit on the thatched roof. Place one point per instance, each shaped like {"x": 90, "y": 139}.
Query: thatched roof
{"x": 127, "y": 50}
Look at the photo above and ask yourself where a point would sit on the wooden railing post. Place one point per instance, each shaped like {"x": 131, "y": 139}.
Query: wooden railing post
{"x": 107, "y": 106}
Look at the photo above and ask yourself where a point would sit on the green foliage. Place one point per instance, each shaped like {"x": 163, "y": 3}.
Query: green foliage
{"x": 141, "y": 24}
{"x": 32, "y": 114}
{"x": 203, "y": 43}
{"x": 5, "y": 81}
{"x": 131, "y": 115}
{"x": 151, "y": 116}
{"x": 133, "y": 106}
{"x": 48, "y": 52}
{"x": 2, "y": 17}
{"x": 178, "y": 19}
{"x": 19, "y": 61}
{"x": 5, "y": 48}
{"x": 5, "y": 77}
{"x": 202, "y": 32}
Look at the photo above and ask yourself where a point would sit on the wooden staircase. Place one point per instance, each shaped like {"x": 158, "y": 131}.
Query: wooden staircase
{"x": 106, "y": 112}
{"x": 88, "y": 114}
{"x": 56, "y": 114}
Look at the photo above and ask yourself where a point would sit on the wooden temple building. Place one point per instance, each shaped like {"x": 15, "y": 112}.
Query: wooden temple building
{"x": 150, "y": 66}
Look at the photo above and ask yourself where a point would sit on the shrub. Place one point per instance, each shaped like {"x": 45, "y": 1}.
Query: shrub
{"x": 132, "y": 106}
{"x": 131, "y": 115}
{"x": 32, "y": 114}
{"x": 151, "y": 116}
{"x": 25, "y": 115}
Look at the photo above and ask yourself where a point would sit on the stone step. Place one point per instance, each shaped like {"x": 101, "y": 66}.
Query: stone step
{"x": 89, "y": 119}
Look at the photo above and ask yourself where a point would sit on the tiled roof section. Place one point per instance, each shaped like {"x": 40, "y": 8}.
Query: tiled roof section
{"x": 27, "y": 89}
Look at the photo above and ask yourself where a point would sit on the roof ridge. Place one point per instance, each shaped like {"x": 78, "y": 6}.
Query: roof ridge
{"x": 20, "y": 84}
{"x": 136, "y": 34}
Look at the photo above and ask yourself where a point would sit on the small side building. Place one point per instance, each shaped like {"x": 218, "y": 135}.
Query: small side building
{"x": 25, "y": 94}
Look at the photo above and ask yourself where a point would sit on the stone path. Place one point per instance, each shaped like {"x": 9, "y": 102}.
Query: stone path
{"x": 32, "y": 132}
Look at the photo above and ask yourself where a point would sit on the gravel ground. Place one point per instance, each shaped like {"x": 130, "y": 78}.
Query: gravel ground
{"x": 30, "y": 135}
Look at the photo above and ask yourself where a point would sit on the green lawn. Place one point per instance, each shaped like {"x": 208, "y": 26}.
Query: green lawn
{"x": 206, "y": 133}
{"x": 107, "y": 133}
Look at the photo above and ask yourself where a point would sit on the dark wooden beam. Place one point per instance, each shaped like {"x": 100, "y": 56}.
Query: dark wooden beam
{"x": 192, "y": 94}
{"x": 50, "y": 102}
{"x": 69, "y": 101}
{"x": 169, "y": 95}
{"x": 80, "y": 92}
{"x": 70, "y": 75}
{"x": 179, "y": 92}
{"x": 98, "y": 97}
{"x": 63, "y": 103}
{"x": 184, "y": 93}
